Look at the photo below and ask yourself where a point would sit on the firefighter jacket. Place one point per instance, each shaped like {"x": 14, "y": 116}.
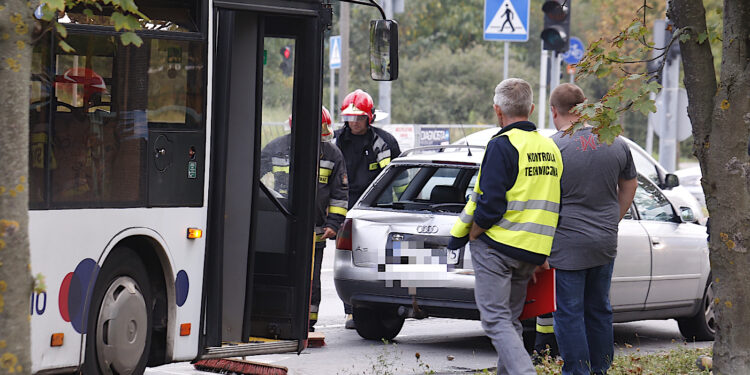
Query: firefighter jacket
{"x": 365, "y": 156}
{"x": 332, "y": 192}
{"x": 517, "y": 195}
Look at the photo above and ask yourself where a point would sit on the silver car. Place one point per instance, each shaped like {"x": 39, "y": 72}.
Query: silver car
{"x": 392, "y": 262}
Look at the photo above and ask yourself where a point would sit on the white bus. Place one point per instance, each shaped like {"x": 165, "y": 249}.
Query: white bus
{"x": 157, "y": 240}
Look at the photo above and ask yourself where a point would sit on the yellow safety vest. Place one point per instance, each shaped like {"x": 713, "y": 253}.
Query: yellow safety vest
{"x": 534, "y": 200}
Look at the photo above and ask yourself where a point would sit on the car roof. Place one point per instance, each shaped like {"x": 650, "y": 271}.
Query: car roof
{"x": 483, "y": 136}
{"x": 442, "y": 154}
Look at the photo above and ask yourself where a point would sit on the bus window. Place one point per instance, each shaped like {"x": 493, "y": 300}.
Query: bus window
{"x": 107, "y": 98}
{"x": 277, "y": 121}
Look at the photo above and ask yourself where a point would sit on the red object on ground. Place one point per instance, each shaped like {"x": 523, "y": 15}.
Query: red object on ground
{"x": 540, "y": 297}
{"x": 316, "y": 340}
{"x": 228, "y": 366}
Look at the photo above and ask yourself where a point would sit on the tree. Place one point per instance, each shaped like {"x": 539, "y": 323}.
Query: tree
{"x": 719, "y": 110}
{"x": 18, "y": 27}
{"x": 720, "y": 115}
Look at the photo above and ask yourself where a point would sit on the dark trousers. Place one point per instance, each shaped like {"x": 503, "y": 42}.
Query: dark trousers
{"x": 583, "y": 320}
{"x": 315, "y": 293}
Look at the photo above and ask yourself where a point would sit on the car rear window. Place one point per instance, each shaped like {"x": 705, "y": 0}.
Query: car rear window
{"x": 419, "y": 187}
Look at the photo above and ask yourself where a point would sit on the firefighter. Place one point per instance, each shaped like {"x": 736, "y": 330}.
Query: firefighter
{"x": 331, "y": 202}
{"x": 332, "y": 194}
{"x": 367, "y": 150}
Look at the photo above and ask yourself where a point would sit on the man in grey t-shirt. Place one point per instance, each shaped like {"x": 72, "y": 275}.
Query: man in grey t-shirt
{"x": 598, "y": 185}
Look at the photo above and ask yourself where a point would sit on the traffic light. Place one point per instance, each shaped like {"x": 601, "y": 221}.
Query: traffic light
{"x": 287, "y": 60}
{"x": 556, "y": 33}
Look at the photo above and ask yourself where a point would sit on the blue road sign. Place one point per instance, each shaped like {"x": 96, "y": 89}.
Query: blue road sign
{"x": 506, "y": 20}
{"x": 334, "y": 60}
{"x": 575, "y": 51}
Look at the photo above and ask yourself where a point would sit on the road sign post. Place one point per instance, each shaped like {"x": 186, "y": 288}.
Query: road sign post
{"x": 334, "y": 62}
{"x": 506, "y": 21}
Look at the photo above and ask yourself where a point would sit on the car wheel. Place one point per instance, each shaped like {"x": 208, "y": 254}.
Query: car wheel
{"x": 702, "y": 326}
{"x": 120, "y": 319}
{"x": 377, "y": 323}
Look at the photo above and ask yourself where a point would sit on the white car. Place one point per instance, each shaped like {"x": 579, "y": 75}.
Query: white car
{"x": 670, "y": 183}
{"x": 391, "y": 259}
{"x": 690, "y": 178}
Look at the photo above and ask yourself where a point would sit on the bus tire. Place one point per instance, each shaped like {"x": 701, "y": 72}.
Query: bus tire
{"x": 120, "y": 317}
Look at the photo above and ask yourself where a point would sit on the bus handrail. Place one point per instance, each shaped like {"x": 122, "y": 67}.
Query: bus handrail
{"x": 440, "y": 148}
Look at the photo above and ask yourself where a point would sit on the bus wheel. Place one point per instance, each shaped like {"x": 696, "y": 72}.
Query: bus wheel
{"x": 120, "y": 318}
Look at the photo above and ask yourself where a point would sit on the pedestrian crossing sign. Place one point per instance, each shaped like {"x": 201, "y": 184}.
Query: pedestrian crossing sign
{"x": 334, "y": 61}
{"x": 506, "y": 20}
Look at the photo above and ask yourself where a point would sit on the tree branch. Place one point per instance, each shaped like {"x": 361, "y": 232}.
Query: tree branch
{"x": 700, "y": 75}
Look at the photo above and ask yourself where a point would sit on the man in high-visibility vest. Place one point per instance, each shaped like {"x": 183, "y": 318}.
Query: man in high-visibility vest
{"x": 510, "y": 219}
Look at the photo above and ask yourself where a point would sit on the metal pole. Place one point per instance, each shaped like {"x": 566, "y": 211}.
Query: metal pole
{"x": 344, "y": 19}
{"x": 506, "y": 55}
{"x": 542, "y": 88}
{"x": 332, "y": 108}
{"x": 554, "y": 78}
{"x": 384, "y": 88}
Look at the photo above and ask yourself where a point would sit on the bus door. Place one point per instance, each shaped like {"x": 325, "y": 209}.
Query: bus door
{"x": 265, "y": 137}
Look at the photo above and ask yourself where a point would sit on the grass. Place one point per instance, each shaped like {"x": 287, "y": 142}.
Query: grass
{"x": 680, "y": 360}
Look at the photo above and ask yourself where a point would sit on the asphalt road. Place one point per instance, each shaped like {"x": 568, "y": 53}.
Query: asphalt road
{"x": 444, "y": 345}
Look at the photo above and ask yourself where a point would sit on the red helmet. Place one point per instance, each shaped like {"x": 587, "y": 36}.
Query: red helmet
{"x": 90, "y": 81}
{"x": 326, "y": 134}
{"x": 358, "y": 103}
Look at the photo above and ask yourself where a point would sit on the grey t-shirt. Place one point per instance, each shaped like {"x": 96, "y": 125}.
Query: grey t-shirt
{"x": 586, "y": 233}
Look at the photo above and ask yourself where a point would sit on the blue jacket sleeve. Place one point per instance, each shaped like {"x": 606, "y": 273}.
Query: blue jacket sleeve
{"x": 499, "y": 173}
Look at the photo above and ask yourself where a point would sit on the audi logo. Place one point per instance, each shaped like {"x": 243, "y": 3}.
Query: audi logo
{"x": 427, "y": 228}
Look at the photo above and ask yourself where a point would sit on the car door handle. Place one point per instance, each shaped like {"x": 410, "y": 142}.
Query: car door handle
{"x": 656, "y": 243}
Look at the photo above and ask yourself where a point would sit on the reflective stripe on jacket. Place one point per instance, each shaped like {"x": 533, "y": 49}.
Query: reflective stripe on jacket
{"x": 331, "y": 200}
{"x": 533, "y": 202}
{"x": 333, "y": 188}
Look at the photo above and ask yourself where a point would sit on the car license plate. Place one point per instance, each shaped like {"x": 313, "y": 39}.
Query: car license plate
{"x": 415, "y": 252}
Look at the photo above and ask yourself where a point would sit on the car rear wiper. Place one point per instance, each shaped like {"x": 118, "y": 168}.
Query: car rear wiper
{"x": 395, "y": 205}
{"x": 447, "y": 207}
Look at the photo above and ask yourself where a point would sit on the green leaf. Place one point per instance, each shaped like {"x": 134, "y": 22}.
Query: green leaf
{"x": 702, "y": 37}
{"x": 119, "y": 20}
{"x": 131, "y": 38}
{"x": 88, "y": 13}
{"x": 684, "y": 37}
{"x": 48, "y": 14}
{"x": 609, "y": 133}
{"x": 644, "y": 105}
{"x": 628, "y": 95}
{"x": 635, "y": 27}
{"x": 61, "y": 30}
{"x": 652, "y": 86}
{"x": 66, "y": 47}
{"x": 613, "y": 102}
{"x": 55, "y": 4}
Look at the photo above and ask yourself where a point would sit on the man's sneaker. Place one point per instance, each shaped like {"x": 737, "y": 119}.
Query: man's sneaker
{"x": 349, "y": 324}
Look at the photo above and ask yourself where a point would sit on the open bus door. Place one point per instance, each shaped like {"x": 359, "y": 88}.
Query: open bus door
{"x": 260, "y": 234}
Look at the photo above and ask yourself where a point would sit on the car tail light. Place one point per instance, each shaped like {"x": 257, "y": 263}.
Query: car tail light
{"x": 344, "y": 237}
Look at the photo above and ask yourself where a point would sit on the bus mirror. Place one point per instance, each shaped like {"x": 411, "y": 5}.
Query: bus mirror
{"x": 383, "y": 50}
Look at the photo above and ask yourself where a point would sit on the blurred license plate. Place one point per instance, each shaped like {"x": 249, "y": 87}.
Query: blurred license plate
{"x": 414, "y": 252}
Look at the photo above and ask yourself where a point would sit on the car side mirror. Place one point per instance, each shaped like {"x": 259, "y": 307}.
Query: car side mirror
{"x": 671, "y": 180}
{"x": 383, "y": 50}
{"x": 687, "y": 215}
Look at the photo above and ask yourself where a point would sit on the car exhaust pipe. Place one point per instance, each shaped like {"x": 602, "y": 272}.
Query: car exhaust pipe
{"x": 412, "y": 312}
